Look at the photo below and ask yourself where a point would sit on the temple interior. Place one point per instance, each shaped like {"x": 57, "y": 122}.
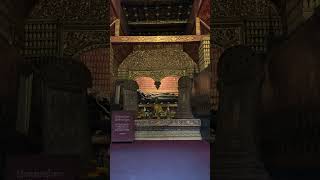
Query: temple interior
{"x": 211, "y": 89}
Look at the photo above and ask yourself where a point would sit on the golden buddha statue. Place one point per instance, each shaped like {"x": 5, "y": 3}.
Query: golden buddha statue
{"x": 158, "y": 111}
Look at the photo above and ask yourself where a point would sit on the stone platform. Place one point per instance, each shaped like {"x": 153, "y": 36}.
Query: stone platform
{"x": 167, "y": 129}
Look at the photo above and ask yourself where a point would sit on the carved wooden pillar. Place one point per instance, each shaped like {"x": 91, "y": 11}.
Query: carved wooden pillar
{"x": 235, "y": 153}
{"x": 184, "y": 104}
{"x": 117, "y": 27}
{"x": 130, "y": 95}
{"x": 198, "y": 26}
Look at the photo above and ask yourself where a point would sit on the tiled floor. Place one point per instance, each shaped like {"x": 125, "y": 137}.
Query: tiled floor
{"x": 160, "y": 160}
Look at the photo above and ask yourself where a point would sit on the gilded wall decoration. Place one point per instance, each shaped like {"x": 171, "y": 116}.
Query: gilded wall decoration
{"x": 243, "y": 8}
{"x": 157, "y": 61}
{"x": 81, "y": 24}
{"x": 235, "y": 22}
{"x": 157, "y": 57}
{"x": 232, "y": 23}
{"x": 225, "y": 8}
{"x": 74, "y": 42}
{"x": 262, "y": 8}
{"x": 82, "y": 11}
{"x": 227, "y": 37}
{"x": 41, "y": 39}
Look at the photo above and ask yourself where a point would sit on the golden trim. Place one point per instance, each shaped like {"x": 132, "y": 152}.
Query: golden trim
{"x": 157, "y": 39}
{"x": 198, "y": 26}
{"x": 117, "y": 27}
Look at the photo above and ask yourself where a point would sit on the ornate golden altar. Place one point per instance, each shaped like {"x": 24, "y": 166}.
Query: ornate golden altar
{"x": 157, "y": 111}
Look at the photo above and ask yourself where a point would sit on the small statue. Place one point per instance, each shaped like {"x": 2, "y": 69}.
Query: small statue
{"x": 158, "y": 111}
{"x": 142, "y": 113}
{"x": 168, "y": 112}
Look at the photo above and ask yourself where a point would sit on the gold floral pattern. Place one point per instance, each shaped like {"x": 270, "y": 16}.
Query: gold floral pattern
{"x": 82, "y": 11}
{"x": 74, "y": 42}
{"x": 157, "y": 62}
{"x": 227, "y": 37}
{"x": 243, "y": 8}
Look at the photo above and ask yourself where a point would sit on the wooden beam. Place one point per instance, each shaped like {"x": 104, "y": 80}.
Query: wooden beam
{"x": 205, "y": 25}
{"x": 155, "y": 22}
{"x": 116, "y": 7}
{"x": 117, "y": 27}
{"x": 157, "y": 39}
{"x": 113, "y": 22}
{"x": 192, "y": 20}
{"x": 198, "y": 26}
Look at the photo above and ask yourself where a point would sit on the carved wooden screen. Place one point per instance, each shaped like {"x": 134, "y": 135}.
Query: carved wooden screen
{"x": 258, "y": 29}
{"x": 41, "y": 39}
{"x": 156, "y": 61}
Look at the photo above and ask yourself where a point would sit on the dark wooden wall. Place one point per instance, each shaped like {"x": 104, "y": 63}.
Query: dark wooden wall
{"x": 291, "y": 99}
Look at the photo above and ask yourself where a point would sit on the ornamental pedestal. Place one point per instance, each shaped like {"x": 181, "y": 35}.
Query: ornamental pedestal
{"x": 167, "y": 129}
{"x": 235, "y": 152}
